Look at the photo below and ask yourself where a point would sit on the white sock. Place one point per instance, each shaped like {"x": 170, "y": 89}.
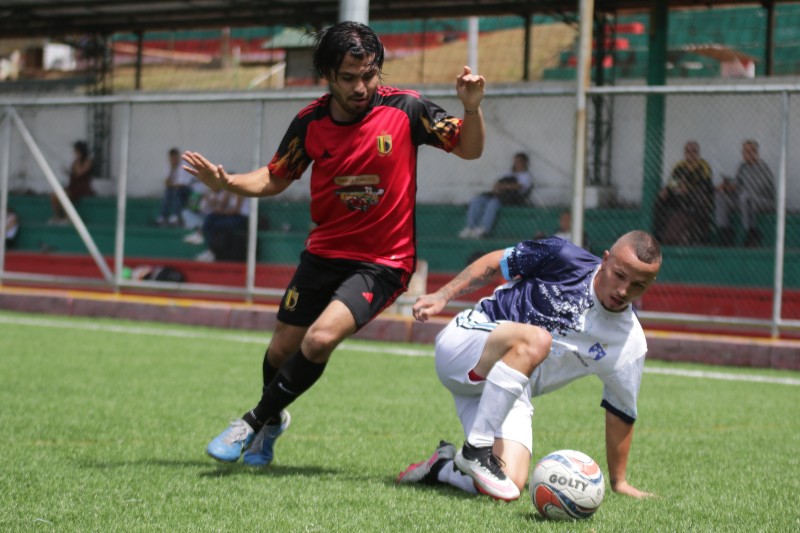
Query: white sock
{"x": 455, "y": 478}
{"x": 503, "y": 386}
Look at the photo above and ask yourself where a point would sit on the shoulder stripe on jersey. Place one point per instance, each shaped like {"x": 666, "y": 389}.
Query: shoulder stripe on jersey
{"x": 319, "y": 102}
{"x": 391, "y": 91}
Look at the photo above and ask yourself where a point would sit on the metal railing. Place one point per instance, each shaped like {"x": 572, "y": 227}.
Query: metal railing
{"x": 502, "y": 102}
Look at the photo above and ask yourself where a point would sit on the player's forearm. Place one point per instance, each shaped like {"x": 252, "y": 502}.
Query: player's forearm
{"x": 255, "y": 183}
{"x": 619, "y": 435}
{"x": 478, "y": 274}
{"x": 473, "y": 134}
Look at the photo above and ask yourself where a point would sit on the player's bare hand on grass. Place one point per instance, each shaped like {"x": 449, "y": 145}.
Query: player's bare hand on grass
{"x": 470, "y": 88}
{"x": 427, "y": 306}
{"x": 214, "y": 176}
{"x": 626, "y": 489}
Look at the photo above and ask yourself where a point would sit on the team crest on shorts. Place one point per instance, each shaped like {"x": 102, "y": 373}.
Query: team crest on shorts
{"x": 290, "y": 301}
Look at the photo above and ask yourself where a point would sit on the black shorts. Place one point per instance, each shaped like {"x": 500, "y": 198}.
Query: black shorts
{"x": 365, "y": 288}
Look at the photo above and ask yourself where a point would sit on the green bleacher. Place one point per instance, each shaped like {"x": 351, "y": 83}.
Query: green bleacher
{"x": 285, "y": 225}
{"x": 740, "y": 28}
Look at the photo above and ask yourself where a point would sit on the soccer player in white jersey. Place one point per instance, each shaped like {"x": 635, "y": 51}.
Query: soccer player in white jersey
{"x": 562, "y": 314}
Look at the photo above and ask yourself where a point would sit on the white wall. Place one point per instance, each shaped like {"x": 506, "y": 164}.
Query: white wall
{"x": 541, "y": 125}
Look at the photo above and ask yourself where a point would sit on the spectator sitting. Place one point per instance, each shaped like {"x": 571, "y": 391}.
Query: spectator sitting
{"x": 178, "y": 188}
{"x": 750, "y": 192}
{"x": 12, "y": 227}
{"x": 225, "y": 227}
{"x": 683, "y": 209}
{"x": 80, "y": 181}
{"x": 511, "y": 189}
{"x": 564, "y": 229}
{"x": 564, "y": 226}
{"x": 197, "y": 208}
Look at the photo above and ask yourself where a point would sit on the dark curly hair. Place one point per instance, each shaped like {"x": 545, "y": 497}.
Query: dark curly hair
{"x": 334, "y": 43}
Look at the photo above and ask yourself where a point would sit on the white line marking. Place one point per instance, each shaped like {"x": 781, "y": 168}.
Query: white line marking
{"x": 723, "y": 376}
{"x": 361, "y": 346}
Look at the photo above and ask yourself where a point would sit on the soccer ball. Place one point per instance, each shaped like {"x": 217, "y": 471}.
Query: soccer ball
{"x": 567, "y": 484}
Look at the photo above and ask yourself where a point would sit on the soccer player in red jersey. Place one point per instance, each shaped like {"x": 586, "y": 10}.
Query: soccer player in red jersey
{"x": 361, "y": 141}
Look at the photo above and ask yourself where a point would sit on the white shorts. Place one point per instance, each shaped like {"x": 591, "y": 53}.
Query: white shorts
{"x": 458, "y": 349}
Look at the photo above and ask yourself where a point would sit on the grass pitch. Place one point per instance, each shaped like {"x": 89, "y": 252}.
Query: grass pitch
{"x": 104, "y": 427}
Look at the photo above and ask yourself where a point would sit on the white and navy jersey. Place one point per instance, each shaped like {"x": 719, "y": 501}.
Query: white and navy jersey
{"x": 551, "y": 286}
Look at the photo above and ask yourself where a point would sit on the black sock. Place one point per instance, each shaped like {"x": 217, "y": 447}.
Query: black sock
{"x": 268, "y": 373}
{"x": 267, "y": 370}
{"x": 296, "y": 376}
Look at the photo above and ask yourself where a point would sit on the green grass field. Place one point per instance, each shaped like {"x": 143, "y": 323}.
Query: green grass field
{"x": 104, "y": 426}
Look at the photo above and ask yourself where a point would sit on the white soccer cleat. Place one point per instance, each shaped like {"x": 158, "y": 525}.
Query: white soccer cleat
{"x": 486, "y": 472}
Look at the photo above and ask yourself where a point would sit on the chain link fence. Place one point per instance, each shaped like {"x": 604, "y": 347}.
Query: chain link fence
{"x": 722, "y": 266}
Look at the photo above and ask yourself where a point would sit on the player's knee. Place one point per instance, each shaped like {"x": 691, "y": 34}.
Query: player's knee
{"x": 534, "y": 346}
{"x": 319, "y": 343}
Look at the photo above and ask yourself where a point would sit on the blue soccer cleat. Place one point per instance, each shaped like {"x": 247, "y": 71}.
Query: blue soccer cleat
{"x": 229, "y": 445}
{"x": 260, "y": 453}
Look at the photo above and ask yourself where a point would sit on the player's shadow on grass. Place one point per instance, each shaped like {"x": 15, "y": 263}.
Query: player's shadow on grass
{"x": 221, "y": 470}
{"x": 441, "y": 488}
{"x": 212, "y": 469}
{"x": 534, "y": 517}
{"x": 171, "y": 463}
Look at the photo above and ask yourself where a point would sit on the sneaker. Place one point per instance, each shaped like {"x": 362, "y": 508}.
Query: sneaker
{"x": 486, "y": 472}
{"x": 194, "y": 237}
{"x": 260, "y": 452}
{"x": 229, "y": 445}
{"x": 427, "y": 471}
{"x": 465, "y": 233}
{"x": 205, "y": 257}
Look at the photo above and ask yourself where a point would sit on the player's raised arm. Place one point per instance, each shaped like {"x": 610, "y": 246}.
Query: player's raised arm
{"x": 255, "y": 183}
{"x": 478, "y": 274}
{"x": 470, "y": 90}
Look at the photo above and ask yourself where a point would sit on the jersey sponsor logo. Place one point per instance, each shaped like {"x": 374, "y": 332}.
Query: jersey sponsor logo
{"x": 384, "y": 144}
{"x": 290, "y": 301}
{"x": 367, "y": 296}
{"x": 359, "y": 198}
{"x": 597, "y": 351}
{"x": 364, "y": 179}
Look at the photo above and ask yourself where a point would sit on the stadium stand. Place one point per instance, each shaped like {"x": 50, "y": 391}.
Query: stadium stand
{"x": 739, "y": 29}
{"x": 285, "y": 226}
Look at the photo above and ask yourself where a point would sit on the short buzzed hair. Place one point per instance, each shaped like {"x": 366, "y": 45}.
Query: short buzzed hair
{"x": 645, "y": 246}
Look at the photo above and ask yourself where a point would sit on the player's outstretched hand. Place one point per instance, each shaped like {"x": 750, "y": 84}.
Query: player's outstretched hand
{"x": 214, "y": 176}
{"x": 626, "y": 489}
{"x": 427, "y": 306}
{"x": 470, "y": 88}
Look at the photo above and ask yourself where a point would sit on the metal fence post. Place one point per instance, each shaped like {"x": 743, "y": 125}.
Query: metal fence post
{"x": 122, "y": 196}
{"x": 252, "y": 221}
{"x": 4, "y": 164}
{"x": 780, "y": 219}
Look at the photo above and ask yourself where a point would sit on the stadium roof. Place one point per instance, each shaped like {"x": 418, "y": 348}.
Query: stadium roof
{"x": 52, "y": 18}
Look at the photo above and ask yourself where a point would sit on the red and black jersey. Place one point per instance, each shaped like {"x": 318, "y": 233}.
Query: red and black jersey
{"x": 363, "y": 180}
